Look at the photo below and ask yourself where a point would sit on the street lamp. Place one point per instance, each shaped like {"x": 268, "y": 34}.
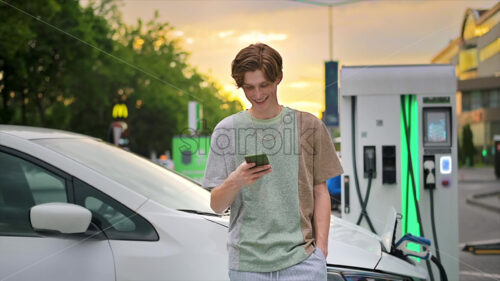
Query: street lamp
{"x": 330, "y": 4}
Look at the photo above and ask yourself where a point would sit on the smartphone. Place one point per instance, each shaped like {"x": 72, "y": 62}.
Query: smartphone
{"x": 259, "y": 159}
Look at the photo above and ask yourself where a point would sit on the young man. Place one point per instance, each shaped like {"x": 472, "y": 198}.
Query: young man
{"x": 280, "y": 213}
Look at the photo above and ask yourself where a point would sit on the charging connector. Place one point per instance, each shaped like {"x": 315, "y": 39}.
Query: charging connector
{"x": 369, "y": 171}
{"x": 424, "y": 243}
{"x": 429, "y": 172}
{"x": 370, "y": 162}
{"x": 430, "y": 184}
{"x": 425, "y": 246}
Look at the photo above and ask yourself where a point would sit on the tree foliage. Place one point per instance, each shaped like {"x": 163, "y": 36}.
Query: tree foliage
{"x": 467, "y": 148}
{"x": 64, "y": 66}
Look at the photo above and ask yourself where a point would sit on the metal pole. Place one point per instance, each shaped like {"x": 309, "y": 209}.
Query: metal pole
{"x": 330, "y": 33}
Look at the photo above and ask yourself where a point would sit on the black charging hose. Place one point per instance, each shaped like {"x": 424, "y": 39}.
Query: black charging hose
{"x": 433, "y": 223}
{"x": 405, "y": 216}
{"x": 407, "y": 193}
{"x": 367, "y": 196}
{"x": 412, "y": 174}
{"x": 407, "y": 200}
{"x": 442, "y": 272}
{"x": 356, "y": 183}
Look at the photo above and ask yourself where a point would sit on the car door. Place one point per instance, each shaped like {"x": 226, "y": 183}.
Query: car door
{"x": 125, "y": 229}
{"x": 29, "y": 255}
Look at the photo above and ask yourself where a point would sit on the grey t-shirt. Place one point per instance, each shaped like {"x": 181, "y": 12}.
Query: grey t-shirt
{"x": 271, "y": 220}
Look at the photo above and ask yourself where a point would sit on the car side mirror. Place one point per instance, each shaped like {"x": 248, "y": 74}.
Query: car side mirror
{"x": 65, "y": 218}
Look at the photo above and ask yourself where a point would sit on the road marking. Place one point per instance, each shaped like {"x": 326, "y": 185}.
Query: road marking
{"x": 490, "y": 241}
{"x": 481, "y": 274}
{"x": 488, "y": 252}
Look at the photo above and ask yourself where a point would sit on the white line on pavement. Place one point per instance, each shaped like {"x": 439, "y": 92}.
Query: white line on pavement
{"x": 481, "y": 274}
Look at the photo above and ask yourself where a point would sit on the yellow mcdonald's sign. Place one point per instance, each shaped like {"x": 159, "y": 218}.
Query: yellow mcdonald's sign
{"x": 120, "y": 111}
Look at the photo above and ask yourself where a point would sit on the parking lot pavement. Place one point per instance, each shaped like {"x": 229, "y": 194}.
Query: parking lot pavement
{"x": 478, "y": 223}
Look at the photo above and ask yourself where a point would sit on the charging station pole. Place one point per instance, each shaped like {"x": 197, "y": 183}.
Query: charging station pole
{"x": 399, "y": 149}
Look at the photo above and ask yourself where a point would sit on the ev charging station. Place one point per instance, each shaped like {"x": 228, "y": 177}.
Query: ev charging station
{"x": 399, "y": 150}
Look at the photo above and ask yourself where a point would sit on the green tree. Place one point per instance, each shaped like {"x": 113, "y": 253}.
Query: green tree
{"x": 65, "y": 66}
{"x": 18, "y": 39}
{"x": 468, "y": 149}
{"x": 158, "y": 100}
{"x": 51, "y": 80}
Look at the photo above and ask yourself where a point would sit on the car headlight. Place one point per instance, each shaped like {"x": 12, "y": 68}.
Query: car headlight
{"x": 345, "y": 274}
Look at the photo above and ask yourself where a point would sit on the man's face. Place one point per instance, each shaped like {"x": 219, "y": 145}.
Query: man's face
{"x": 260, "y": 92}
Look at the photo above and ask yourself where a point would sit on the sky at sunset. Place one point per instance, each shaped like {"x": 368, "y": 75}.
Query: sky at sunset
{"x": 365, "y": 33}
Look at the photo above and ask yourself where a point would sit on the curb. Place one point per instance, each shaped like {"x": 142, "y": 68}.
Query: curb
{"x": 473, "y": 201}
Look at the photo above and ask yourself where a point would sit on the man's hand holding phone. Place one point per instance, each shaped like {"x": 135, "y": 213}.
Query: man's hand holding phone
{"x": 247, "y": 173}
{"x": 253, "y": 168}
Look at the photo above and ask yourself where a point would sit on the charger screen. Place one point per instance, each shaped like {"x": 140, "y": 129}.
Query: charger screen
{"x": 437, "y": 127}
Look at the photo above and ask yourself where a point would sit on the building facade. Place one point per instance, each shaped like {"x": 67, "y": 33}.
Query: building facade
{"x": 476, "y": 56}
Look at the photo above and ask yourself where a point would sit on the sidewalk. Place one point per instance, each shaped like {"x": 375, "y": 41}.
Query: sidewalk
{"x": 478, "y": 223}
{"x": 476, "y": 175}
{"x": 489, "y": 200}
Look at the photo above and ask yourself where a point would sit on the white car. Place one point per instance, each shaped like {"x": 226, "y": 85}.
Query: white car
{"x": 74, "y": 208}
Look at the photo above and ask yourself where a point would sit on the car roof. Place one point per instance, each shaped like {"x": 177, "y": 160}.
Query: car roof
{"x": 31, "y": 133}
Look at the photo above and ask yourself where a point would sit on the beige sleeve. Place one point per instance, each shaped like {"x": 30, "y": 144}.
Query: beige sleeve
{"x": 326, "y": 163}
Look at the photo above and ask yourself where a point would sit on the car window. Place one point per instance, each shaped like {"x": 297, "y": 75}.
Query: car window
{"x": 134, "y": 172}
{"x": 23, "y": 185}
{"x": 114, "y": 219}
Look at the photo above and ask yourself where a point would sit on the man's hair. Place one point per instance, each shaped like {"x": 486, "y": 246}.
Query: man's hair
{"x": 256, "y": 57}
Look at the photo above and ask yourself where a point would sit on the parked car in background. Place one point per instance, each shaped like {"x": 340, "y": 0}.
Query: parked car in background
{"x": 73, "y": 207}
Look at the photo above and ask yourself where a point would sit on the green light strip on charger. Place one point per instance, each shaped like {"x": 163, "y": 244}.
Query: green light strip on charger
{"x": 410, "y": 224}
{"x": 404, "y": 167}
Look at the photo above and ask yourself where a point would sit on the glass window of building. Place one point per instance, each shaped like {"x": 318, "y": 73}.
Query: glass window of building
{"x": 476, "y": 100}
{"x": 466, "y": 96}
{"x": 494, "y": 98}
{"x": 485, "y": 99}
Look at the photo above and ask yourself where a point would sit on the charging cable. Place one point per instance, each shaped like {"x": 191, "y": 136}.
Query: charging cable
{"x": 430, "y": 183}
{"x": 362, "y": 202}
{"x": 433, "y": 224}
{"x": 402, "y": 250}
{"x": 442, "y": 272}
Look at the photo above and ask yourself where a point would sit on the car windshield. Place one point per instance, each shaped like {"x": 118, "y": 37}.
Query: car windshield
{"x": 137, "y": 173}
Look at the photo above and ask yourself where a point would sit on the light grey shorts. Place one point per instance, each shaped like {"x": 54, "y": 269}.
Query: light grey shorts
{"x": 311, "y": 269}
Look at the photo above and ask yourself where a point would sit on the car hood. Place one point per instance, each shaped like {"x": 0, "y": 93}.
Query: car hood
{"x": 352, "y": 245}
